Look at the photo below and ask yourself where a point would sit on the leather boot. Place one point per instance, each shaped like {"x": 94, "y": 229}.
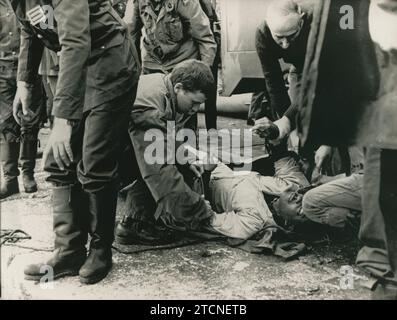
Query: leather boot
{"x": 9, "y": 158}
{"x": 138, "y": 225}
{"x": 102, "y": 209}
{"x": 131, "y": 232}
{"x": 28, "y": 163}
{"x": 70, "y": 212}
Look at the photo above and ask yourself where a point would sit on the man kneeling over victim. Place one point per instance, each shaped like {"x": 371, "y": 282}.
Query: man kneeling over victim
{"x": 171, "y": 195}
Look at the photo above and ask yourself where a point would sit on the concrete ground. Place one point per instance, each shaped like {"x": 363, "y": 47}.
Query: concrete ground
{"x": 201, "y": 271}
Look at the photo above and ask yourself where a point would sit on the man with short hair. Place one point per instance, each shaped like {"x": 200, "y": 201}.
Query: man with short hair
{"x": 161, "y": 190}
{"x": 174, "y": 31}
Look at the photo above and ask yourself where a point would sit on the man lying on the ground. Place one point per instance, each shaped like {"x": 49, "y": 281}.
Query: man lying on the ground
{"x": 336, "y": 205}
{"x": 240, "y": 198}
{"x": 248, "y": 203}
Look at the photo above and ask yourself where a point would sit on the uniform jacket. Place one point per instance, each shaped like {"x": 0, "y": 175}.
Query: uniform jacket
{"x": 154, "y": 107}
{"x": 85, "y": 34}
{"x": 180, "y": 30}
{"x": 50, "y": 62}
{"x": 9, "y": 33}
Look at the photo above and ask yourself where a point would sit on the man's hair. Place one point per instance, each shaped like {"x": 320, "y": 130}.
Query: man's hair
{"x": 194, "y": 75}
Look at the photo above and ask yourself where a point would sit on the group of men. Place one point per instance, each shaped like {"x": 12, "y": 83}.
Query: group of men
{"x": 113, "y": 70}
{"x": 91, "y": 68}
{"x": 371, "y": 191}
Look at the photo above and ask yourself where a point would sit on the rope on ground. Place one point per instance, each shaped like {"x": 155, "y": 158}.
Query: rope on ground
{"x": 11, "y": 237}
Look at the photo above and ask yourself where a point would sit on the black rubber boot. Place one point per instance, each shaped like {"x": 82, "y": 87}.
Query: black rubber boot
{"x": 70, "y": 212}
{"x": 97, "y": 266}
{"x": 102, "y": 209}
{"x": 9, "y": 158}
{"x": 28, "y": 163}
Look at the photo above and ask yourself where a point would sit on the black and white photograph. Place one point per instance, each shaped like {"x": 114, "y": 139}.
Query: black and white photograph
{"x": 196, "y": 155}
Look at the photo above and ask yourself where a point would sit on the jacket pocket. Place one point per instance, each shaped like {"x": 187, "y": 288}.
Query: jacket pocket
{"x": 99, "y": 50}
{"x": 174, "y": 28}
{"x": 114, "y": 66}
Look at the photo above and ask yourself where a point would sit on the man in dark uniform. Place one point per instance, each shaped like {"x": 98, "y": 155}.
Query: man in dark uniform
{"x": 96, "y": 88}
{"x": 18, "y": 140}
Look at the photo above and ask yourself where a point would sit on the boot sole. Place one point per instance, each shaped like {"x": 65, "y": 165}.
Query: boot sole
{"x": 57, "y": 276}
{"x": 95, "y": 279}
{"x": 128, "y": 242}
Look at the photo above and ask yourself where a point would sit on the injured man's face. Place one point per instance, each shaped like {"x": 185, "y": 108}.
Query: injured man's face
{"x": 289, "y": 206}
